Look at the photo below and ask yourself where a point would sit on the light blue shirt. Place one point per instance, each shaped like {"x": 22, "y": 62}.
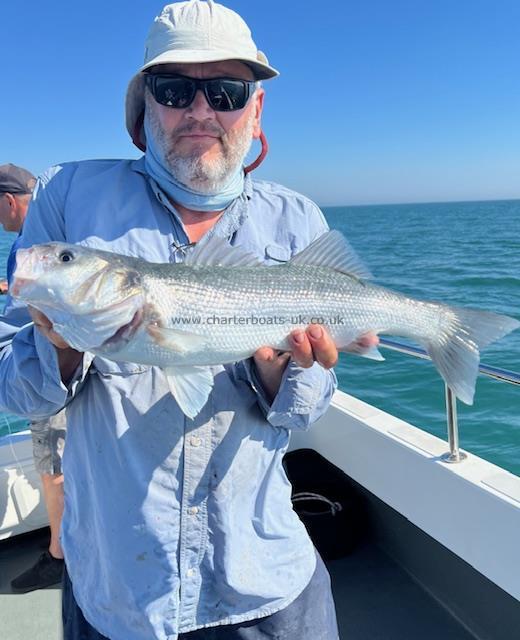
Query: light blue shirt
{"x": 11, "y": 259}
{"x": 170, "y": 524}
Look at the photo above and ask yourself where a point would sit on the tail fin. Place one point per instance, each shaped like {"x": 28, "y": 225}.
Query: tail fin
{"x": 456, "y": 352}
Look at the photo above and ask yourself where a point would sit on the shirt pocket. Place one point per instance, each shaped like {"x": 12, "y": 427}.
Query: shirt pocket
{"x": 277, "y": 253}
{"x": 107, "y": 367}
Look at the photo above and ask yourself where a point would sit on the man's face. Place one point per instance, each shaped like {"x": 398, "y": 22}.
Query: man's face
{"x": 203, "y": 148}
{"x": 13, "y": 209}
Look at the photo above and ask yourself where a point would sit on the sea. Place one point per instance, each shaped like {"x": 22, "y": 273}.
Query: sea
{"x": 461, "y": 253}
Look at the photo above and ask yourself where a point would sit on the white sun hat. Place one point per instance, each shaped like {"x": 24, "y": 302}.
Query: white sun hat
{"x": 192, "y": 32}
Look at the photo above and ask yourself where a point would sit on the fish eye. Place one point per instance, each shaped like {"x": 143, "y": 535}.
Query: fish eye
{"x": 66, "y": 256}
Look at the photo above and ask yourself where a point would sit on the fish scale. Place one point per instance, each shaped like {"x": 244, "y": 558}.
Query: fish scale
{"x": 263, "y": 293}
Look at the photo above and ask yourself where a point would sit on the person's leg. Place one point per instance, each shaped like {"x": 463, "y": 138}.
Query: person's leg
{"x": 53, "y": 495}
{"x": 312, "y": 616}
{"x": 75, "y": 627}
{"x": 48, "y": 439}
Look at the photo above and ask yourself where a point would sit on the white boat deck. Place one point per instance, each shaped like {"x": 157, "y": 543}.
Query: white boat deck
{"x": 28, "y": 616}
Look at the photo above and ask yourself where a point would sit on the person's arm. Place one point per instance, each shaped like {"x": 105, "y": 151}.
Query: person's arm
{"x": 290, "y": 395}
{"x": 294, "y": 389}
{"x": 31, "y": 382}
{"x": 308, "y": 347}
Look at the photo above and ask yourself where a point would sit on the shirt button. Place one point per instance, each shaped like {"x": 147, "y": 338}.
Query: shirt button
{"x": 193, "y": 511}
{"x": 195, "y": 441}
{"x": 190, "y": 573}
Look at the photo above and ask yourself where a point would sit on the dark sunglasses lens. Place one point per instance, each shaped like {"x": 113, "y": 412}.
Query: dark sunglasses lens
{"x": 173, "y": 92}
{"x": 227, "y": 95}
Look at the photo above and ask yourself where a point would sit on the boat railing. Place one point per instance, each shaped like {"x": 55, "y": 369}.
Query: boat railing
{"x": 511, "y": 377}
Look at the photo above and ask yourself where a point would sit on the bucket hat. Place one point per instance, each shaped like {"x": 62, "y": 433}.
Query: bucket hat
{"x": 192, "y": 32}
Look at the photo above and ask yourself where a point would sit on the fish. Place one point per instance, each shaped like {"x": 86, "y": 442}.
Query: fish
{"x": 222, "y": 303}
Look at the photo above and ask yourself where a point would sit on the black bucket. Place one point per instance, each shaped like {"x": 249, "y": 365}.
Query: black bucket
{"x": 326, "y": 502}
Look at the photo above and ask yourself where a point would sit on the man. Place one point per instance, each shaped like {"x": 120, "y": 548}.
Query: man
{"x": 16, "y": 187}
{"x": 179, "y": 528}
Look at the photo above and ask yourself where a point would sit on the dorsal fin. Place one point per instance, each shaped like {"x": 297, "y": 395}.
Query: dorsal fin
{"x": 217, "y": 252}
{"x": 333, "y": 251}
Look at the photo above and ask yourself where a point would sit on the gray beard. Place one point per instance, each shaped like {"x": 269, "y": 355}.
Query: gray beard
{"x": 193, "y": 171}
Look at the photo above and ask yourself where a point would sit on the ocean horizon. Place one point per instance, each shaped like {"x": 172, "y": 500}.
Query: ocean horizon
{"x": 418, "y": 203}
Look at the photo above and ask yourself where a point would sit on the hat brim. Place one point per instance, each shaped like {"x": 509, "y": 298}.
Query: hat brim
{"x": 134, "y": 108}
{"x": 261, "y": 69}
{"x": 134, "y": 102}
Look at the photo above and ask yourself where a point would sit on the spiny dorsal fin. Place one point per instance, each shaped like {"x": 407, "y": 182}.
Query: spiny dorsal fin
{"x": 217, "y": 252}
{"x": 333, "y": 251}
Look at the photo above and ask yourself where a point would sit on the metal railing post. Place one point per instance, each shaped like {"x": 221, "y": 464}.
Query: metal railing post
{"x": 503, "y": 375}
{"x": 454, "y": 455}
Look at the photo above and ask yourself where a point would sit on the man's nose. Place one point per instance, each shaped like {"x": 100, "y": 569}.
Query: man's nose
{"x": 199, "y": 109}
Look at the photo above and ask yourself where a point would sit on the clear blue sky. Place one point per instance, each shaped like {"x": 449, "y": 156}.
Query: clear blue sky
{"x": 378, "y": 101}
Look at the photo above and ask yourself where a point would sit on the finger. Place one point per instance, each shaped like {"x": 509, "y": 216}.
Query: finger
{"x": 39, "y": 318}
{"x": 301, "y": 349}
{"x": 368, "y": 340}
{"x": 283, "y": 357}
{"x": 57, "y": 340}
{"x": 44, "y": 325}
{"x": 323, "y": 347}
{"x": 264, "y": 354}
{"x": 363, "y": 344}
{"x": 268, "y": 358}
{"x": 52, "y": 336}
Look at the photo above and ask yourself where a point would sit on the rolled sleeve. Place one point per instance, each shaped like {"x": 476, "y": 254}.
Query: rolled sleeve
{"x": 31, "y": 382}
{"x": 303, "y": 397}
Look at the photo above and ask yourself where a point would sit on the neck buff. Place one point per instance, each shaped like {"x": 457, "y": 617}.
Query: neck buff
{"x": 180, "y": 193}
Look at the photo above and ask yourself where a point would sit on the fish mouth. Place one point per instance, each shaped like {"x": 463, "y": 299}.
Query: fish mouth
{"x": 19, "y": 284}
{"x": 125, "y": 333}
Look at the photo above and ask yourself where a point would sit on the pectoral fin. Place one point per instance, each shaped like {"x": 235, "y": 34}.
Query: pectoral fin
{"x": 179, "y": 341}
{"x": 372, "y": 354}
{"x": 191, "y": 387}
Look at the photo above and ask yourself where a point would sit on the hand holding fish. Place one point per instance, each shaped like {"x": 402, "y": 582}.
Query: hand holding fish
{"x": 315, "y": 344}
{"x": 68, "y": 358}
{"x": 44, "y": 325}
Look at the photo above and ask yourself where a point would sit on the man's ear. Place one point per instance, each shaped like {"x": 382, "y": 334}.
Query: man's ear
{"x": 11, "y": 200}
{"x": 259, "y": 105}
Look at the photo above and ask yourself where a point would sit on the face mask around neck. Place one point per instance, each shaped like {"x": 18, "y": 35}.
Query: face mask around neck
{"x": 157, "y": 169}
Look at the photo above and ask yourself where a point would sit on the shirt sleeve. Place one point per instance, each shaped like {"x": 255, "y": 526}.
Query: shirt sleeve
{"x": 30, "y": 380}
{"x": 303, "y": 397}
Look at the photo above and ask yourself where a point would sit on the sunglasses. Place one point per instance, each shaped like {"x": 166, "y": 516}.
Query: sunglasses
{"x": 178, "y": 92}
